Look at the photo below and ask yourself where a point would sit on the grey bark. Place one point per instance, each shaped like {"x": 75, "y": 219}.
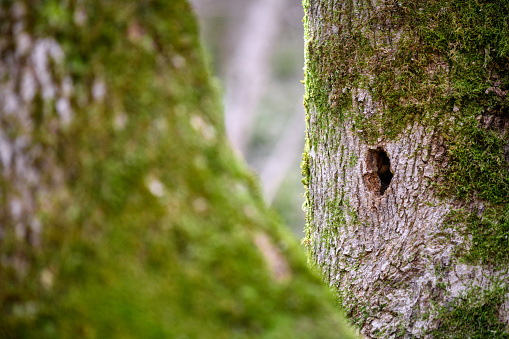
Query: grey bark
{"x": 390, "y": 251}
{"x": 30, "y": 72}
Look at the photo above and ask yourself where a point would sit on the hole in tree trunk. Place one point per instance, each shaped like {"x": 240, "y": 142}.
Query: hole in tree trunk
{"x": 379, "y": 174}
{"x": 383, "y": 165}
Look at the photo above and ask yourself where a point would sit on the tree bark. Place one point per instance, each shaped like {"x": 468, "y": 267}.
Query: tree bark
{"x": 124, "y": 213}
{"x": 405, "y": 169}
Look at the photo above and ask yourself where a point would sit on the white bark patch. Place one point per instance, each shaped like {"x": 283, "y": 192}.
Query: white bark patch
{"x": 120, "y": 121}
{"x": 200, "y": 205}
{"x": 98, "y": 90}
{"x": 178, "y": 61}
{"x": 23, "y": 43}
{"x": 363, "y": 102}
{"x": 156, "y": 187}
{"x": 28, "y": 86}
{"x": 67, "y": 87}
{"x": 32, "y": 67}
{"x": 277, "y": 263}
{"x": 80, "y": 15}
{"x": 64, "y": 110}
{"x": 205, "y": 129}
{"x": 18, "y": 10}
{"x": 6, "y": 152}
{"x": 47, "y": 278}
{"x": 43, "y": 51}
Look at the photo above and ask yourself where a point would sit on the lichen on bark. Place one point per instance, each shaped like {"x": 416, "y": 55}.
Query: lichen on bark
{"x": 425, "y": 83}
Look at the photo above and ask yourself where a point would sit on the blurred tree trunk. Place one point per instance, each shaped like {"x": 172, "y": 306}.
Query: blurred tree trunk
{"x": 124, "y": 213}
{"x": 406, "y": 163}
{"x": 248, "y": 68}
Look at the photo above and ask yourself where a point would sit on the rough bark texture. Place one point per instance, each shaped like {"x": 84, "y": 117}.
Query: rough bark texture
{"x": 124, "y": 213}
{"x": 416, "y": 247}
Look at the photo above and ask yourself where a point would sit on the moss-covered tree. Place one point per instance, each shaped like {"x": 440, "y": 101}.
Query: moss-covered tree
{"x": 406, "y": 163}
{"x": 124, "y": 213}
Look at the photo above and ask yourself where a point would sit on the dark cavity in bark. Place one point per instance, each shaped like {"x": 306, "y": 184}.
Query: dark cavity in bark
{"x": 383, "y": 170}
{"x": 378, "y": 162}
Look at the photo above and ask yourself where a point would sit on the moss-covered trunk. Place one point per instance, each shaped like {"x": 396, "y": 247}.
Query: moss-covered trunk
{"x": 124, "y": 213}
{"x": 406, "y": 163}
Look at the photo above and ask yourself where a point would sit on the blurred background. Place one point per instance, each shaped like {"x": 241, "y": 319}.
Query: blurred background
{"x": 257, "y": 52}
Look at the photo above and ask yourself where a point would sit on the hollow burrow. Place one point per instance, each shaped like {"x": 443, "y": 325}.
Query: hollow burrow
{"x": 379, "y": 175}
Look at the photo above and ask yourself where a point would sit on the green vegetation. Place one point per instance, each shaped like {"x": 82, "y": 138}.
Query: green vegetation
{"x": 152, "y": 227}
{"x": 489, "y": 236}
{"x": 474, "y": 315}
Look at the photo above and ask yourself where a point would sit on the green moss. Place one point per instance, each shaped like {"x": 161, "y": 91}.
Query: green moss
{"x": 353, "y": 160}
{"x": 474, "y": 314}
{"x": 150, "y": 232}
{"x": 477, "y": 166}
{"x": 489, "y": 235}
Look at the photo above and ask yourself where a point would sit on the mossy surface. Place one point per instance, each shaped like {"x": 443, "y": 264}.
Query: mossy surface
{"x": 441, "y": 64}
{"x": 152, "y": 230}
{"x": 473, "y": 313}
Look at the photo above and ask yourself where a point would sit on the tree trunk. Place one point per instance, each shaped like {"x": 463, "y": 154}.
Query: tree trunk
{"x": 406, "y": 163}
{"x": 124, "y": 213}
